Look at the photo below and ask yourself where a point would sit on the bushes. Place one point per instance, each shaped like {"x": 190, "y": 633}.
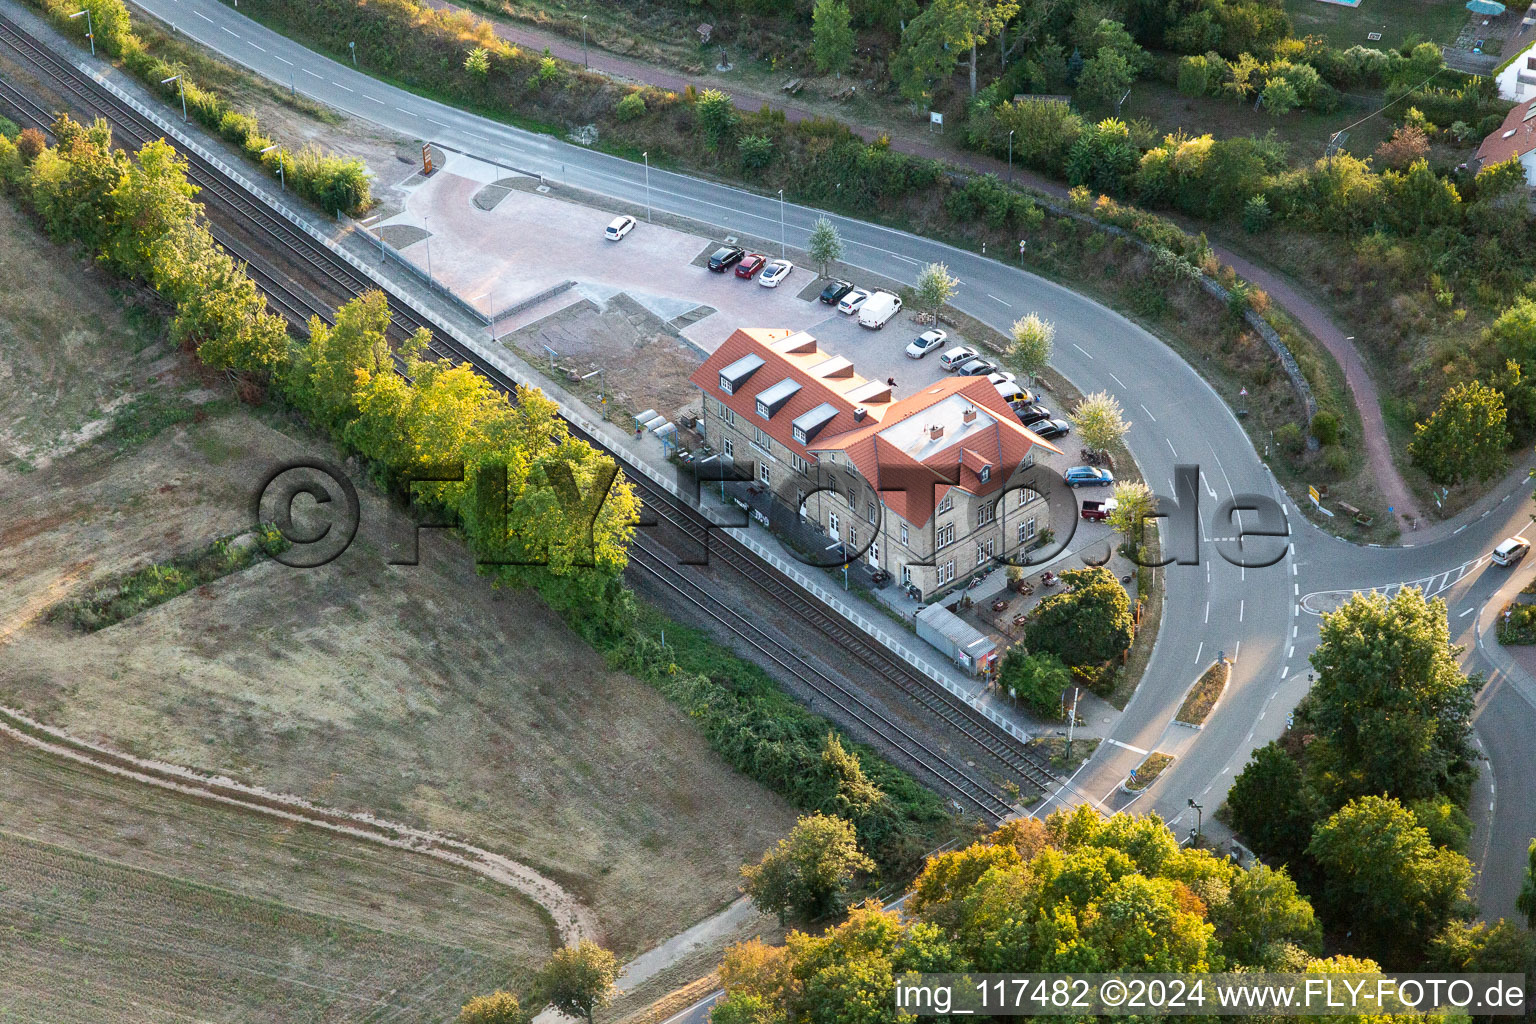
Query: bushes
{"x": 756, "y": 151}
{"x": 630, "y": 107}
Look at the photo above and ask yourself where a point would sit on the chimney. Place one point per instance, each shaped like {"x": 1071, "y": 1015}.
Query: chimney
{"x": 935, "y": 432}
{"x": 969, "y": 416}
{"x": 859, "y": 413}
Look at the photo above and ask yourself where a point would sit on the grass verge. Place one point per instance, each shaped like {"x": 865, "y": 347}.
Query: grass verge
{"x": 1054, "y": 750}
{"x": 1146, "y": 773}
{"x": 1202, "y": 696}
{"x": 1518, "y": 624}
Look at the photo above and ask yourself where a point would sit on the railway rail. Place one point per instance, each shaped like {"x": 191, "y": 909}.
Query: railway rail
{"x": 978, "y": 790}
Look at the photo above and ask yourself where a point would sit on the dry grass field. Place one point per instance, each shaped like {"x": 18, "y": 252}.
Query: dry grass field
{"x": 418, "y": 693}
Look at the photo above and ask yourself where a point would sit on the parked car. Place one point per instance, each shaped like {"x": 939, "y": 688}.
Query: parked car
{"x": 1049, "y": 429}
{"x": 952, "y": 359}
{"x": 878, "y": 309}
{"x": 1099, "y": 510}
{"x": 1088, "y": 476}
{"x": 1013, "y": 394}
{"x": 925, "y": 343}
{"x": 1001, "y": 377}
{"x": 620, "y": 227}
{"x": 976, "y": 366}
{"x": 725, "y": 257}
{"x": 1028, "y": 414}
{"x": 850, "y": 303}
{"x": 1511, "y": 551}
{"x": 835, "y": 290}
{"x": 774, "y": 272}
{"x": 750, "y": 264}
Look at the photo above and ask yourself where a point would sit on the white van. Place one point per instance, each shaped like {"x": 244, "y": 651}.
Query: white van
{"x": 878, "y": 310}
{"x": 1511, "y": 551}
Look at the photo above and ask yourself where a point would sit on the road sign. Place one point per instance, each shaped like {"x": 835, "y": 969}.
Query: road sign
{"x": 1312, "y": 493}
{"x": 934, "y": 117}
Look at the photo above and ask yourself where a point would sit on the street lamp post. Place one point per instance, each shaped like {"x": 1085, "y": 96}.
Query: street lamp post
{"x": 584, "y": 41}
{"x": 647, "y": 157}
{"x": 182, "y": 87}
{"x": 90, "y": 33}
{"x": 1010, "y": 156}
{"x": 782, "y": 249}
{"x": 1199, "y": 819}
{"x": 282, "y": 179}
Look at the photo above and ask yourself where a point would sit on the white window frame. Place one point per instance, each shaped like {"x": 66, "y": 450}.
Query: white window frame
{"x": 985, "y": 513}
{"x": 1027, "y": 530}
{"x": 947, "y": 504}
{"x": 763, "y": 474}
{"x": 728, "y": 447}
{"x": 874, "y": 552}
{"x": 947, "y": 572}
{"x": 833, "y": 526}
{"x": 945, "y": 536}
{"x": 904, "y": 533}
{"x": 801, "y": 466}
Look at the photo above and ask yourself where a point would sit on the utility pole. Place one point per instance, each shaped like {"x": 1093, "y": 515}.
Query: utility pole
{"x": 90, "y": 33}
{"x": 181, "y": 86}
{"x": 282, "y": 179}
{"x": 1077, "y": 692}
{"x": 1010, "y": 156}
{"x": 584, "y": 41}
{"x": 647, "y": 157}
{"x": 782, "y": 249}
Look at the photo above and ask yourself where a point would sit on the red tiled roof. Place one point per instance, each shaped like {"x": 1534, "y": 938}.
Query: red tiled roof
{"x": 1520, "y": 127}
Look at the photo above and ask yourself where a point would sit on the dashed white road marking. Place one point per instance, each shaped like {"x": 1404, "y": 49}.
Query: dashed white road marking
{"x": 1171, "y": 448}
{"x": 999, "y": 301}
{"x": 1117, "y": 379}
{"x": 339, "y": 85}
{"x": 1148, "y": 412}
{"x": 258, "y": 47}
{"x": 1198, "y": 650}
{"x": 205, "y": 17}
{"x": 230, "y": 31}
{"x": 1082, "y": 350}
{"x": 310, "y": 73}
{"x": 285, "y": 60}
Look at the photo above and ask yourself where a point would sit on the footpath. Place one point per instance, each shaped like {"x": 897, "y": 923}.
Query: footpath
{"x": 1310, "y": 315}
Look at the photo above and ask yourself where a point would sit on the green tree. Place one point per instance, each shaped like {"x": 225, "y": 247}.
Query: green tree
{"x": 1271, "y": 806}
{"x": 1526, "y": 901}
{"x": 935, "y": 286}
{"x": 1263, "y": 916}
{"x": 324, "y": 377}
{"x": 831, "y": 36}
{"x": 756, "y": 151}
{"x": 497, "y": 1008}
{"x": 825, "y": 245}
{"x": 1099, "y": 421}
{"x": 219, "y": 310}
{"x": 1390, "y": 699}
{"x": 579, "y": 979}
{"x": 1087, "y": 624}
{"x": 632, "y": 106}
{"x": 1033, "y": 338}
{"x": 1134, "y": 502}
{"x": 1465, "y": 438}
{"x": 1499, "y": 948}
{"x": 1513, "y": 334}
{"x": 1280, "y": 96}
{"x": 109, "y": 20}
{"x": 718, "y": 117}
{"x": 1383, "y": 875}
{"x": 808, "y": 873}
{"x": 478, "y": 62}
{"x": 1105, "y": 78}
{"x": 1036, "y": 679}
{"x": 931, "y": 45}
{"x": 73, "y": 181}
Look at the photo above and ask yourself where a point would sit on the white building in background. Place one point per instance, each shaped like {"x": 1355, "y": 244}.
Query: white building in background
{"x": 1517, "y": 79}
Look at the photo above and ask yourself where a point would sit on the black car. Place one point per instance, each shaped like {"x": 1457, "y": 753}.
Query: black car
{"x": 725, "y": 257}
{"x": 835, "y": 291}
{"x": 1049, "y": 428}
{"x": 1028, "y": 414}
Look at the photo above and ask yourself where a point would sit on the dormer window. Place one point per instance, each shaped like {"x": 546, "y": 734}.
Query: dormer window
{"x": 986, "y": 473}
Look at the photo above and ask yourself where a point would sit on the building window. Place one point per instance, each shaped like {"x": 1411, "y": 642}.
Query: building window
{"x": 1027, "y": 531}
{"x": 985, "y": 514}
{"x": 947, "y": 504}
{"x": 906, "y": 574}
{"x": 946, "y": 535}
{"x": 832, "y": 525}
{"x": 762, "y": 473}
{"x": 762, "y": 441}
{"x": 853, "y": 536}
{"x": 874, "y": 553}
{"x": 904, "y": 533}
{"x": 853, "y": 497}
{"x": 725, "y": 413}
{"x": 986, "y": 473}
{"x": 947, "y": 572}
{"x": 984, "y": 552}
{"x": 728, "y": 446}
{"x": 1026, "y": 496}
{"x": 870, "y": 512}
{"x": 800, "y": 464}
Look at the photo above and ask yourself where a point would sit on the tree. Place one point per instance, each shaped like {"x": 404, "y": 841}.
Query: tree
{"x": 806, "y": 875}
{"x": 1270, "y": 805}
{"x": 825, "y": 245}
{"x": 1383, "y": 875}
{"x": 1280, "y": 96}
{"x": 932, "y": 41}
{"x": 832, "y": 36}
{"x": 1036, "y": 679}
{"x": 1105, "y": 78}
{"x": 478, "y": 62}
{"x": 1526, "y": 901}
{"x": 718, "y": 117}
{"x": 1263, "y": 915}
{"x": 497, "y": 1008}
{"x": 934, "y": 287}
{"x": 1099, "y": 421}
{"x": 1087, "y": 624}
{"x": 1033, "y": 337}
{"x": 1499, "y": 948}
{"x": 1134, "y": 502}
{"x": 1465, "y": 438}
{"x": 1390, "y": 699}
{"x": 579, "y": 979}
{"x": 756, "y": 151}
{"x": 324, "y": 377}
{"x": 1513, "y": 334}
{"x": 1407, "y": 144}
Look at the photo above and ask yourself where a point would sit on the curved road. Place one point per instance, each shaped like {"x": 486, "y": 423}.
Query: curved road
{"x": 1254, "y": 616}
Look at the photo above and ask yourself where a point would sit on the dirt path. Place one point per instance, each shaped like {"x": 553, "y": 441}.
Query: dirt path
{"x": 573, "y": 920}
{"x": 1311, "y": 316}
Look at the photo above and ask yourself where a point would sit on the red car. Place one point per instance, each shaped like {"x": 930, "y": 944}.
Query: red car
{"x": 750, "y": 264}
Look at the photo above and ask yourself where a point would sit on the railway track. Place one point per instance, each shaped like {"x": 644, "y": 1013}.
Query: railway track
{"x": 978, "y": 790}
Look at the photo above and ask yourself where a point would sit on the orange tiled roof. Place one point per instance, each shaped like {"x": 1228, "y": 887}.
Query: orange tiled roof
{"x": 1514, "y": 138}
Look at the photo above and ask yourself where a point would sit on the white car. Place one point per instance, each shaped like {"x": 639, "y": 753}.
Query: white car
{"x": 878, "y": 309}
{"x": 850, "y": 303}
{"x": 620, "y": 227}
{"x": 1511, "y": 551}
{"x": 925, "y": 343}
{"x": 774, "y": 272}
{"x": 1001, "y": 377}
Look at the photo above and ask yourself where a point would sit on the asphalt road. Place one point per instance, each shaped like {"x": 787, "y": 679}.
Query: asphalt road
{"x": 1255, "y": 615}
